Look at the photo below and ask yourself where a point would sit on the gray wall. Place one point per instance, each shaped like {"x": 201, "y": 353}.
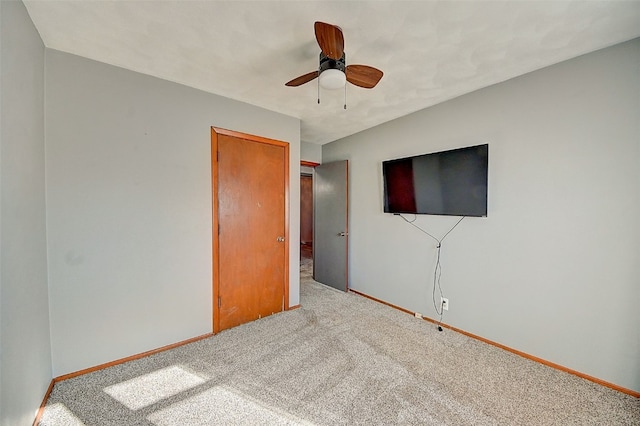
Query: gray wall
{"x": 129, "y": 207}
{"x": 553, "y": 270}
{"x": 311, "y": 152}
{"x": 25, "y": 358}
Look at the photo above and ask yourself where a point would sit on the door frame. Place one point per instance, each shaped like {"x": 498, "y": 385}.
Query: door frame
{"x": 215, "y": 131}
{"x": 312, "y": 165}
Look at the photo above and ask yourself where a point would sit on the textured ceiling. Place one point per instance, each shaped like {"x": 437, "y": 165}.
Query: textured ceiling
{"x": 430, "y": 51}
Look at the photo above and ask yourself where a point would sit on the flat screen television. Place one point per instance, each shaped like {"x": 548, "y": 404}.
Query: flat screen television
{"x": 442, "y": 183}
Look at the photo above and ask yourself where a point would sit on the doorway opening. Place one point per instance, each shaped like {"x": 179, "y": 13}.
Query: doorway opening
{"x": 326, "y": 259}
{"x": 306, "y": 219}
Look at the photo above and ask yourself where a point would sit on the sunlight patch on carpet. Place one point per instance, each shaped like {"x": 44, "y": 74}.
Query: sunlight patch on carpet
{"x": 221, "y": 405}
{"x": 150, "y": 388}
{"x": 62, "y": 415}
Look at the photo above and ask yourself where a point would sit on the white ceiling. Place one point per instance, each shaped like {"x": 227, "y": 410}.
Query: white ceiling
{"x": 430, "y": 51}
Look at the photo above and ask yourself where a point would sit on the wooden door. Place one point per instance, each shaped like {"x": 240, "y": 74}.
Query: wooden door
{"x": 250, "y": 196}
{"x": 306, "y": 209}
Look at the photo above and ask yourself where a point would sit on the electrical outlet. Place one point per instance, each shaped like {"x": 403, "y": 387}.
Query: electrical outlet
{"x": 418, "y": 315}
{"x": 444, "y": 302}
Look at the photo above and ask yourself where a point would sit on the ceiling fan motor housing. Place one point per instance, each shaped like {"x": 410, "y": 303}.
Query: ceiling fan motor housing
{"x": 327, "y": 63}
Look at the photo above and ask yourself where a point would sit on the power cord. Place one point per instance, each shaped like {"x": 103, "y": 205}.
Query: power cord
{"x": 437, "y": 272}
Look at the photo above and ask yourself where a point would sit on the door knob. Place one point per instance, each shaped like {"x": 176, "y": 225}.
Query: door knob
{"x": 280, "y": 239}
{"x": 343, "y": 234}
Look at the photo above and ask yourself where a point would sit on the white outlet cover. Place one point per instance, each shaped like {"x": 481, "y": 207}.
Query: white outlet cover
{"x": 445, "y": 303}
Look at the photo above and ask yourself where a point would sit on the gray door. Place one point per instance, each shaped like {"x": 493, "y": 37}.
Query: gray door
{"x": 330, "y": 231}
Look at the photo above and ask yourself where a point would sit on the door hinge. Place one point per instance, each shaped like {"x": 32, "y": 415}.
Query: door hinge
{"x": 219, "y": 301}
{"x": 217, "y": 155}
{"x": 218, "y": 229}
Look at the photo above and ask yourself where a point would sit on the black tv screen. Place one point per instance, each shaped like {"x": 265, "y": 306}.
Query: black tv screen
{"x": 442, "y": 183}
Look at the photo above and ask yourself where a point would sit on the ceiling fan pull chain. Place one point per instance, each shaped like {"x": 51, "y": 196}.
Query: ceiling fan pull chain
{"x": 318, "y": 91}
{"x": 345, "y": 96}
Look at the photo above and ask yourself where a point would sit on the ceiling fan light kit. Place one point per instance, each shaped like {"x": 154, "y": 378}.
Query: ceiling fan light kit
{"x": 332, "y": 79}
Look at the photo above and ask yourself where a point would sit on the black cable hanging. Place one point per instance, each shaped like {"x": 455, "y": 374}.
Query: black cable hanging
{"x": 437, "y": 272}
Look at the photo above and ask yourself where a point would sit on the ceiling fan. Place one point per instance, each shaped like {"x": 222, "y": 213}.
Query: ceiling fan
{"x": 333, "y": 73}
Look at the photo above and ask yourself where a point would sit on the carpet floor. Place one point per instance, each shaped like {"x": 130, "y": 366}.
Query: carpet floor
{"x": 340, "y": 359}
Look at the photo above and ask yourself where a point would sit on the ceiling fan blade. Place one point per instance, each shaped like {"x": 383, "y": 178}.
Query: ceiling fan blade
{"x": 298, "y": 81}
{"x": 330, "y": 40}
{"x": 363, "y": 75}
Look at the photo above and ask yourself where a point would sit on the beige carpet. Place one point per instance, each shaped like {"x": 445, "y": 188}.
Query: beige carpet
{"x": 341, "y": 359}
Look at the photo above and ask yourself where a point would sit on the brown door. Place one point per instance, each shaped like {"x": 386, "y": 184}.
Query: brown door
{"x": 306, "y": 209}
{"x": 250, "y": 176}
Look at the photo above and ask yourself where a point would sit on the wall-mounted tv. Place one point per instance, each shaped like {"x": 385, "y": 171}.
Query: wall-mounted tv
{"x": 442, "y": 183}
